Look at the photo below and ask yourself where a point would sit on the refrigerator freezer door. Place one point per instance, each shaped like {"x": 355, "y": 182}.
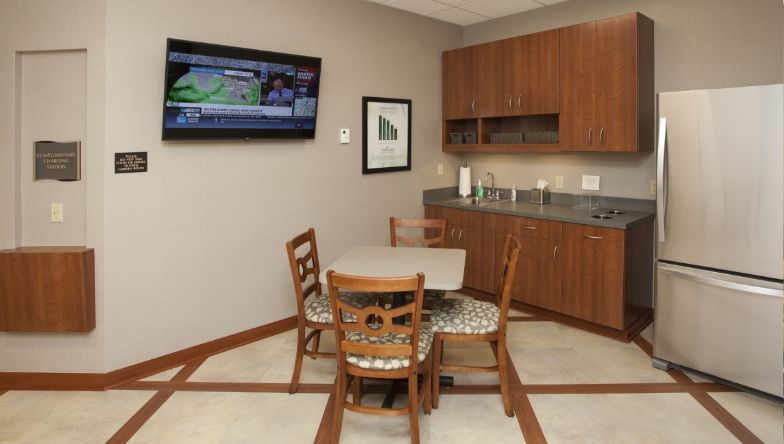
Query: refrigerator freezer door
{"x": 723, "y": 173}
{"x": 724, "y": 325}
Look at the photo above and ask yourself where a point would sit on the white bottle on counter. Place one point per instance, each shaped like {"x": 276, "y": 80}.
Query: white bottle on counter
{"x": 514, "y": 192}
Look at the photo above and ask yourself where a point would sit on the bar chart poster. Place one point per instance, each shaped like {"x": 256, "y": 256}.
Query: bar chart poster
{"x": 386, "y": 135}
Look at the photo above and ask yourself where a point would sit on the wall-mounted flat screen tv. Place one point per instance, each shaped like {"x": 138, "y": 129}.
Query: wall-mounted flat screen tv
{"x": 223, "y": 92}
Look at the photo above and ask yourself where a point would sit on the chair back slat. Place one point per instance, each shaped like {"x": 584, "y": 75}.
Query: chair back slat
{"x": 376, "y": 321}
{"x": 304, "y": 265}
{"x": 434, "y": 232}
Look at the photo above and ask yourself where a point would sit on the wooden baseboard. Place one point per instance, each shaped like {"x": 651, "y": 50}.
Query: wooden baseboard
{"x": 622, "y": 335}
{"x": 104, "y": 381}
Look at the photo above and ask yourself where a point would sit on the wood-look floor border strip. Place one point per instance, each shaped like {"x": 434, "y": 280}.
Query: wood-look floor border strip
{"x": 325, "y": 427}
{"x": 725, "y": 418}
{"x": 524, "y": 411}
{"x": 730, "y": 422}
{"x": 645, "y": 387}
{"x": 251, "y": 387}
{"x": 135, "y": 423}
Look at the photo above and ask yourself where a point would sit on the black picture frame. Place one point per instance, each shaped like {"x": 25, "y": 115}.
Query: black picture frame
{"x": 386, "y": 135}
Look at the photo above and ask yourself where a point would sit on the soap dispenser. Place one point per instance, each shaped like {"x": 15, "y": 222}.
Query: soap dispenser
{"x": 514, "y": 192}
{"x": 480, "y": 192}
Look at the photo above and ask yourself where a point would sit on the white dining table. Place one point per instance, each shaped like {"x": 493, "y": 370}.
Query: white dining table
{"x": 443, "y": 267}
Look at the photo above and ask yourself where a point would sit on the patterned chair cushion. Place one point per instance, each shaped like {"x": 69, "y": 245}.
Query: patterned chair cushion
{"x": 388, "y": 362}
{"x": 318, "y": 308}
{"x": 429, "y": 298}
{"x": 465, "y": 316}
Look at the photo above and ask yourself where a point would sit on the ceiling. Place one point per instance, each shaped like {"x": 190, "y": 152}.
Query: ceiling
{"x": 466, "y": 12}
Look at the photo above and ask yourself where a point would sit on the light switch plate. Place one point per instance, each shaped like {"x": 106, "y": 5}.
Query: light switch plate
{"x": 440, "y": 169}
{"x": 57, "y": 212}
{"x": 345, "y": 135}
{"x": 559, "y": 181}
{"x": 590, "y": 183}
{"x": 653, "y": 188}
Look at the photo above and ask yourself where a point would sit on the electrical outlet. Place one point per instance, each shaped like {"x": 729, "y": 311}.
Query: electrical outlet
{"x": 653, "y": 187}
{"x": 57, "y": 212}
{"x": 440, "y": 169}
{"x": 345, "y": 135}
{"x": 559, "y": 181}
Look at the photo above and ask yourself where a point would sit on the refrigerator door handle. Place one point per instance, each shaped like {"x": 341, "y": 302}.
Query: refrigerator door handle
{"x": 661, "y": 177}
{"x": 727, "y": 282}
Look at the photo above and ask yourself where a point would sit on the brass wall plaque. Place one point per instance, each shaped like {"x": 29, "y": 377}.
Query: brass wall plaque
{"x": 58, "y": 160}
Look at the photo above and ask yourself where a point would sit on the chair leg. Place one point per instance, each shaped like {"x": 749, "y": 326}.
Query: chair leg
{"x": 356, "y": 394}
{"x": 503, "y": 377}
{"x": 413, "y": 408}
{"x": 294, "y": 385}
{"x": 316, "y": 341}
{"x": 340, "y": 400}
{"x": 427, "y": 383}
{"x": 436, "y": 372}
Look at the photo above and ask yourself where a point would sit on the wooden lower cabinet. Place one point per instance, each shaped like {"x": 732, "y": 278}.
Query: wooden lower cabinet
{"x": 593, "y": 274}
{"x": 472, "y": 231}
{"x": 538, "y": 278}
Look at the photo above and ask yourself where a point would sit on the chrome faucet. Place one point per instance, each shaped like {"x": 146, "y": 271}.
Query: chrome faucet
{"x": 492, "y": 184}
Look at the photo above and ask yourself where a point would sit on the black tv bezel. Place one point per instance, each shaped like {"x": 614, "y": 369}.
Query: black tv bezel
{"x": 193, "y": 47}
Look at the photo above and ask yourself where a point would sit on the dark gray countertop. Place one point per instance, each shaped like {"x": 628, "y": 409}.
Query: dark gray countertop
{"x": 561, "y": 209}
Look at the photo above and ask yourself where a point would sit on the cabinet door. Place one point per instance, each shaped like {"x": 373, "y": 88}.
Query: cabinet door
{"x": 578, "y": 87}
{"x": 492, "y": 89}
{"x": 538, "y": 278}
{"x": 480, "y": 257}
{"x": 593, "y": 274}
{"x": 459, "y": 80}
{"x": 532, "y": 73}
{"x": 616, "y": 84}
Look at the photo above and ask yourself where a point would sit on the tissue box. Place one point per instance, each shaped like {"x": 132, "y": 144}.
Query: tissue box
{"x": 538, "y": 196}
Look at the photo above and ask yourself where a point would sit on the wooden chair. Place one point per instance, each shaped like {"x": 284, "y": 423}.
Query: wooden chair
{"x": 313, "y": 308}
{"x": 373, "y": 346}
{"x": 435, "y": 226}
{"x": 433, "y": 236}
{"x": 478, "y": 321}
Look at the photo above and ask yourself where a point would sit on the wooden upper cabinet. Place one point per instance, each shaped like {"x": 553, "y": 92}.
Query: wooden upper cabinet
{"x": 532, "y": 77}
{"x": 460, "y": 71}
{"x": 606, "y": 77}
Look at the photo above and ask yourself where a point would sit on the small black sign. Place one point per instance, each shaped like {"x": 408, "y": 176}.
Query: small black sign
{"x": 130, "y": 162}
{"x": 57, "y": 161}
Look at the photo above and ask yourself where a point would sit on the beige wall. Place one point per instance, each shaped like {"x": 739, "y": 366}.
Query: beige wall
{"x": 193, "y": 250}
{"x": 37, "y": 31}
{"x": 698, "y": 44}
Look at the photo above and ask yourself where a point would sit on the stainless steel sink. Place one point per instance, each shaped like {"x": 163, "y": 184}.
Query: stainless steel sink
{"x": 475, "y": 201}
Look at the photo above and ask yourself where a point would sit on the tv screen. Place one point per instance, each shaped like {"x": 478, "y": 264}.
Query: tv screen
{"x": 223, "y": 92}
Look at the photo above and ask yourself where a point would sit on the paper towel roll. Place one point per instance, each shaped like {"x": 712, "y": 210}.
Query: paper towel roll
{"x": 464, "y": 187}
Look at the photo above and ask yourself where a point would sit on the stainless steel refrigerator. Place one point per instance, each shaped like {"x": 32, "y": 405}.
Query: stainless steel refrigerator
{"x": 719, "y": 306}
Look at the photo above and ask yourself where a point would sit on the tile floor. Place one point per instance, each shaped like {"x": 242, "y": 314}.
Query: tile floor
{"x": 558, "y": 366}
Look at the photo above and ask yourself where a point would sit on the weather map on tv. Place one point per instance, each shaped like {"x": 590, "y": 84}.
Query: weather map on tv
{"x": 223, "y": 92}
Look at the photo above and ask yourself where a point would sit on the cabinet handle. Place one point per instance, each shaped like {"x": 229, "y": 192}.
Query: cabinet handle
{"x": 589, "y": 136}
{"x": 519, "y": 98}
{"x": 555, "y": 252}
{"x": 601, "y": 135}
{"x": 510, "y": 103}
{"x": 452, "y": 233}
{"x": 460, "y": 236}
{"x": 529, "y": 228}
{"x": 473, "y": 107}
{"x": 593, "y": 237}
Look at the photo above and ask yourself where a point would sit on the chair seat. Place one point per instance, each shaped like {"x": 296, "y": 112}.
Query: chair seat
{"x": 465, "y": 316}
{"x": 318, "y": 308}
{"x": 388, "y": 362}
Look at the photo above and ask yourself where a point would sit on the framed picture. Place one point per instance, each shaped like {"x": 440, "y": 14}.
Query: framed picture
{"x": 386, "y": 135}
